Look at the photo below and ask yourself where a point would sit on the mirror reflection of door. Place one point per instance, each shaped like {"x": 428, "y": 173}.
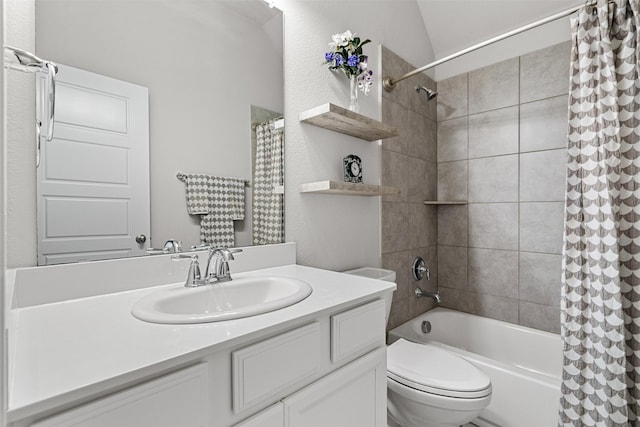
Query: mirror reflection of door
{"x": 93, "y": 180}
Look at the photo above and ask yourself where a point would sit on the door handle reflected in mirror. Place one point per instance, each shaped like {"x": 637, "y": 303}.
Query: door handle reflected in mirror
{"x": 141, "y": 238}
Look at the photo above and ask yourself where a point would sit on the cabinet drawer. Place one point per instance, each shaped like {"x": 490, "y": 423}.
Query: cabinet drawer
{"x": 262, "y": 370}
{"x": 357, "y": 331}
{"x": 175, "y": 399}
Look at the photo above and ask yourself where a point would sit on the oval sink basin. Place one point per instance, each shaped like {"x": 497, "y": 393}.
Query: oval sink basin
{"x": 221, "y": 301}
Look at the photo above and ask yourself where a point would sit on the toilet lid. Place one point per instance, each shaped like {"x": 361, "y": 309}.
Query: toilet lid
{"x": 434, "y": 370}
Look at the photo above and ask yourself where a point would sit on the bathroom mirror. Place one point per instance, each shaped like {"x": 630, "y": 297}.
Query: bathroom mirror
{"x": 208, "y": 67}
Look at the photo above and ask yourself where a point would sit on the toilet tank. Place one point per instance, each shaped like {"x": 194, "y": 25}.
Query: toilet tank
{"x": 379, "y": 274}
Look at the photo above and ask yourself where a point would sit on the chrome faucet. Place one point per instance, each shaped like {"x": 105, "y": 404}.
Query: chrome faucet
{"x": 220, "y": 272}
{"x": 420, "y": 293}
{"x": 172, "y": 246}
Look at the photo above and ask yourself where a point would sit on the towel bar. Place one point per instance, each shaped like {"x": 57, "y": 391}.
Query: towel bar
{"x": 182, "y": 176}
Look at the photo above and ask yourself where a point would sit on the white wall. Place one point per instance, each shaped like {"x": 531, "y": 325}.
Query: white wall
{"x": 337, "y": 232}
{"x": 20, "y": 150}
{"x": 16, "y": 17}
{"x": 203, "y": 74}
{"x": 3, "y": 225}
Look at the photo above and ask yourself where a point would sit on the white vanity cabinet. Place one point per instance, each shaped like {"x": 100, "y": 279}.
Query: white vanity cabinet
{"x": 351, "y": 396}
{"x": 176, "y": 399}
{"x": 354, "y": 395}
{"x": 323, "y": 370}
{"x": 351, "y": 393}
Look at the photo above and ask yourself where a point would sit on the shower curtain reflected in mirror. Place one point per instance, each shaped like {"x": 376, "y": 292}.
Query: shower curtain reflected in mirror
{"x": 268, "y": 192}
{"x": 601, "y": 257}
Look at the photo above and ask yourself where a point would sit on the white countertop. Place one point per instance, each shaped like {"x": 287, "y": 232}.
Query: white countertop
{"x": 62, "y": 351}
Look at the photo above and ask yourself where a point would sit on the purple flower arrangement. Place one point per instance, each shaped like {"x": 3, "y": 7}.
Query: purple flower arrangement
{"x": 345, "y": 53}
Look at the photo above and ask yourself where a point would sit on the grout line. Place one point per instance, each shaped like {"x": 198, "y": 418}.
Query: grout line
{"x": 466, "y": 285}
{"x": 514, "y": 153}
{"x": 518, "y": 181}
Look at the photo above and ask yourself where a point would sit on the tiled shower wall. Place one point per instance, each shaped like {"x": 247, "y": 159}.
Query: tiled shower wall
{"x": 501, "y": 146}
{"x": 409, "y": 161}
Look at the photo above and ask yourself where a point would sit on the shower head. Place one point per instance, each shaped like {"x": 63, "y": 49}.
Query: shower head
{"x": 430, "y": 93}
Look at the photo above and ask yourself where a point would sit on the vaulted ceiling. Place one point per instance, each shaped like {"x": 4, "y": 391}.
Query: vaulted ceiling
{"x": 453, "y": 25}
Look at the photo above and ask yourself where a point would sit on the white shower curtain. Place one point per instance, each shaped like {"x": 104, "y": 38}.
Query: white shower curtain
{"x": 268, "y": 197}
{"x": 601, "y": 257}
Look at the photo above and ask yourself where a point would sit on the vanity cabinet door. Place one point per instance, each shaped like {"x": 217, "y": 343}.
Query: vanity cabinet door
{"x": 355, "y": 395}
{"x": 177, "y": 399}
{"x": 266, "y": 369}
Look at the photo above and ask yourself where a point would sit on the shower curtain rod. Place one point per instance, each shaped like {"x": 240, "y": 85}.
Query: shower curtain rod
{"x": 389, "y": 83}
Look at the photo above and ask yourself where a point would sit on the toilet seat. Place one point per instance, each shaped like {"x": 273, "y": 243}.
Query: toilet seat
{"x": 430, "y": 369}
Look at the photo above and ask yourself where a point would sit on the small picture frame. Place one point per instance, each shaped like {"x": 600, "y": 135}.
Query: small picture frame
{"x": 352, "y": 169}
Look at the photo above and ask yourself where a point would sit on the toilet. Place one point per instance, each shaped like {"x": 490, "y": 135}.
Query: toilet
{"x": 428, "y": 386}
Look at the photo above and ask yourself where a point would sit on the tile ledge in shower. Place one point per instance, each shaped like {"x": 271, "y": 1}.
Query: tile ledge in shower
{"x": 445, "y": 202}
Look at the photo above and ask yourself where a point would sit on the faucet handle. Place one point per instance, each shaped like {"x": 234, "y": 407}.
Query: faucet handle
{"x": 194, "y": 278}
{"x": 229, "y": 254}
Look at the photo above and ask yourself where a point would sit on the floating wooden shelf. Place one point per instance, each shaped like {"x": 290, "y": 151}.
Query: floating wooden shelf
{"x": 445, "y": 202}
{"x": 347, "y": 188}
{"x": 338, "y": 119}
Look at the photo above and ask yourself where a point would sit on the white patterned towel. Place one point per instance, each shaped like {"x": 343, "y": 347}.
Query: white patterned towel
{"x": 219, "y": 201}
{"x": 197, "y": 191}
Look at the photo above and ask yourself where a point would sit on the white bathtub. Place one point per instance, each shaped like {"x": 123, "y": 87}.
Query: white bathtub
{"x": 524, "y": 364}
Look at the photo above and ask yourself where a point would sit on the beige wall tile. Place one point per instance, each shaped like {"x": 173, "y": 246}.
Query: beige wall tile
{"x": 393, "y": 65}
{"x": 493, "y": 133}
{"x": 452, "y": 266}
{"x": 540, "y": 278}
{"x": 396, "y": 174}
{"x": 395, "y": 226}
{"x": 545, "y": 73}
{"x": 452, "y": 180}
{"x": 543, "y": 176}
{"x": 452, "y": 225}
{"x": 543, "y": 317}
{"x": 453, "y": 139}
{"x": 493, "y": 87}
{"x": 544, "y": 124}
{"x": 493, "y": 307}
{"x": 493, "y": 226}
{"x": 455, "y": 299}
{"x": 394, "y": 114}
{"x": 452, "y": 97}
{"x": 541, "y": 227}
{"x": 493, "y": 179}
{"x": 493, "y": 272}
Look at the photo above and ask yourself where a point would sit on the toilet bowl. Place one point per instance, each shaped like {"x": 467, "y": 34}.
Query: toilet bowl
{"x": 428, "y": 386}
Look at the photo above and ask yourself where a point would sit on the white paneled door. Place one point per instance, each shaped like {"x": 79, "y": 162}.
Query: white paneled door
{"x": 93, "y": 180}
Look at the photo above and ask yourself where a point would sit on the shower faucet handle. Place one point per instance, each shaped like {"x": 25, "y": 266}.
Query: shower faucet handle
{"x": 419, "y": 269}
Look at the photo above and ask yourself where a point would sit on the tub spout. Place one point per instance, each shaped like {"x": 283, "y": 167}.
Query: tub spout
{"x": 435, "y": 295}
